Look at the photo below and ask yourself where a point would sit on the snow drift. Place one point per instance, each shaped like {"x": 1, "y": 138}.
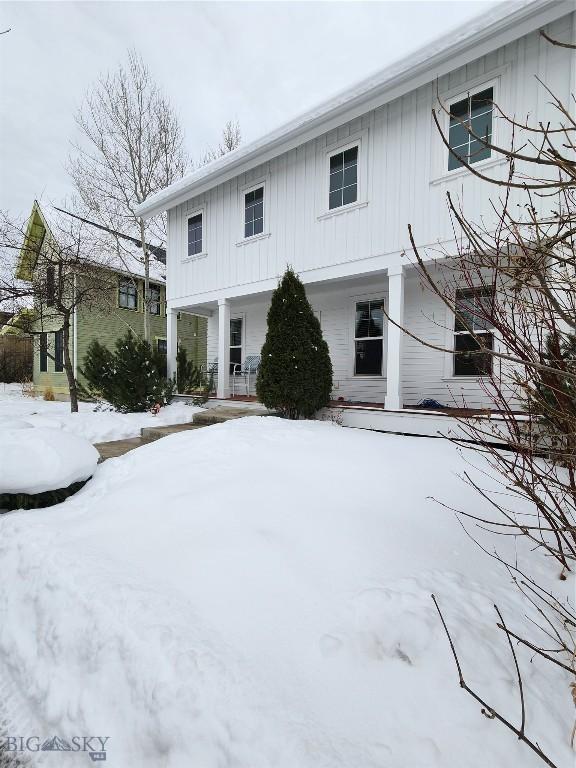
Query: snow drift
{"x": 257, "y": 594}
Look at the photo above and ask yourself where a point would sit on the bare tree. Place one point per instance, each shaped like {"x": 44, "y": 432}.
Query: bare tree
{"x": 131, "y": 146}
{"x": 511, "y": 289}
{"x": 231, "y": 140}
{"x": 61, "y": 271}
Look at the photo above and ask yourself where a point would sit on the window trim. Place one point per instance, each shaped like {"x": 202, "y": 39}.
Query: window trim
{"x": 382, "y": 294}
{"x": 360, "y": 140}
{"x": 242, "y": 318}
{"x": 450, "y": 357}
{"x": 201, "y": 210}
{"x": 242, "y": 192}
{"x": 440, "y": 152}
{"x": 159, "y": 313}
{"x": 134, "y": 283}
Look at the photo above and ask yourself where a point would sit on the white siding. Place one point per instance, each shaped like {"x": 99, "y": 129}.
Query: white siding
{"x": 403, "y": 158}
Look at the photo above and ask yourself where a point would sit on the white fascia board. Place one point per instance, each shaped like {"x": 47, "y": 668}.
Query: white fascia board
{"x": 476, "y": 38}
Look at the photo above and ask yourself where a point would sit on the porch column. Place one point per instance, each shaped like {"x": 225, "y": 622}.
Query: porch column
{"x": 223, "y": 389}
{"x": 171, "y": 342}
{"x": 393, "y": 399}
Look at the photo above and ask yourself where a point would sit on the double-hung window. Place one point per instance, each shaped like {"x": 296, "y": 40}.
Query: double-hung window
{"x": 154, "y": 299}
{"x": 195, "y": 227}
{"x": 369, "y": 338}
{"x": 162, "y": 346}
{"x": 343, "y": 188}
{"x": 235, "y": 343}
{"x": 474, "y": 113}
{"x": 473, "y": 312}
{"x": 43, "y": 352}
{"x": 254, "y": 212}
{"x": 59, "y": 351}
{"x": 127, "y": 294}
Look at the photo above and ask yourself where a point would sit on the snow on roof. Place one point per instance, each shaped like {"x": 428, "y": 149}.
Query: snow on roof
{"x": 485, "y": 32}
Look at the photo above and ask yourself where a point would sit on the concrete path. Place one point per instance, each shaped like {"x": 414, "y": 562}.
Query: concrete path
{"x": 203, "y": 418}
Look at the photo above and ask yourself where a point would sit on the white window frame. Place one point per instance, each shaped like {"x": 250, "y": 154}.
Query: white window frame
{"x": 449, "y": 357}
{"x": 359, "y": 140}
{"x": 354, "y": 300}
{"x": 204, "y": 252}
{"x": 242, "y": 192}
{"x": 440, "y": 152}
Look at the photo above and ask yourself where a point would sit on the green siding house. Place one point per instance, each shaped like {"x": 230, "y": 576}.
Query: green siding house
{"x": 119, "y": 308}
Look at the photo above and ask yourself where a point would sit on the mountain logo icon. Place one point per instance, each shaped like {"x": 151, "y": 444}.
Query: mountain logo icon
{"x": 56, "y": 744}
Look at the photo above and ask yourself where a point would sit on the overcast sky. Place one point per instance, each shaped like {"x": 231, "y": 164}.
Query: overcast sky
{"x": 261, "y": 63}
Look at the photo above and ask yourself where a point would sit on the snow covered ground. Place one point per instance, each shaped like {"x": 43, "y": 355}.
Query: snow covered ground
{"x": 97, "y": 426}
{"x": 256, "y": 594}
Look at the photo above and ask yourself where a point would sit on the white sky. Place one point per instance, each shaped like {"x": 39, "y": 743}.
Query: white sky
{"x": 259, "y": 62}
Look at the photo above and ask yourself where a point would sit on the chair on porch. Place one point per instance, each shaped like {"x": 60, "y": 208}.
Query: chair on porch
{"x": 247, "y": 369}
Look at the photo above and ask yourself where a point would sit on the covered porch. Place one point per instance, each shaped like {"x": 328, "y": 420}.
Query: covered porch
{"x": 374, "y": 362}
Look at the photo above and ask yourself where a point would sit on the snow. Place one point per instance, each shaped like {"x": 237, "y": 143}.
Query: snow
{"x": 95, "y": 425}
{"x": 37, "y": 460}
{"x": 257, "y": 594}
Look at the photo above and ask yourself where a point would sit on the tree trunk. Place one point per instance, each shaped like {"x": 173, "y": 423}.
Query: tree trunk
{"x": 146, "y": 281}
{"x": 68, "y": 367}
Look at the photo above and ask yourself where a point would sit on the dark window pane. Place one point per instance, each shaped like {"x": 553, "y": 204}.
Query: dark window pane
{"x": 454, "y": 161}
{"x": 162, "y": 346}
{"x": 460, "y": 109}
{"x": 43, "y": 352}
{"x": 351, "y": 175}
{"x": 258, "y": 194}
{"x": 478, "y": 151}
{"x": 481, "y": 126}
{"x": 337, "y": 163}
{"x": 335, "y": 200}
{"x": 362, "y": 319}
{"x": 458, "y": 135}
{"x": 59, "y": 351}
{"x": 350, "y": 157}
{"x": 336, "y": 180}
{"x": 481, "y": 102}
{"x": 369, "y": 357}
{"x": 236, "y": 332}
{"x": 349, "y": 194}
{"x": 468, "y": 364}
{"x": 376, "y": 318}
{"x": 258, "y": 226}
{"x": 249, "y": 198}
{"x": 195, "y": 235}
{"x": 258, "y": 211}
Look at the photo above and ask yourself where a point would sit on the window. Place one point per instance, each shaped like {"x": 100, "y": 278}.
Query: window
{"x": 127, "y": 294}
{"x": 195, "y": 235}
{"x": 43, "y": 352}
{"x": 50, "y": 286}
{"x": 474, "y": 306}
{"x": 254, "y": 212}
{"x": 343, "y": 178}
{"x": 369, "y": 338}
{"x": 59, "y": 351}
{"x": 474, "y": 113}
{"x": 162, "y": 346}
{"x": 154, "y": 299}
{"x": 235, "y": 342}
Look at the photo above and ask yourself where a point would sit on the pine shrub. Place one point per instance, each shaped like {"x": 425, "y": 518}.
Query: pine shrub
{"x": 130, "y": 378}
{"x": 295, "y": 374}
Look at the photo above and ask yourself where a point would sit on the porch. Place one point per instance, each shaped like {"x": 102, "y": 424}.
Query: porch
{"x": 374, "y": 363}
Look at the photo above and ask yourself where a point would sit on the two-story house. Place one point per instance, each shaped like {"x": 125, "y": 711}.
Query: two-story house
{"x": 119, "y": 308}
{"x": 332, "y": 192}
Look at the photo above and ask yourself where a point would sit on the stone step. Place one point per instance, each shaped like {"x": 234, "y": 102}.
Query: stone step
{"x": 149, "y": 434}
{"x": 114, "y": 448}
{"x": 222, "y": 413}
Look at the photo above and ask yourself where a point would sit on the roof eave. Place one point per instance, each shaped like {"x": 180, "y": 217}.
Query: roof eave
{"x": 423, "y": 66}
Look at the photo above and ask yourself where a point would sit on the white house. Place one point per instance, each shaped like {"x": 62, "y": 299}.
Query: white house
{"x": 332, "y": 192}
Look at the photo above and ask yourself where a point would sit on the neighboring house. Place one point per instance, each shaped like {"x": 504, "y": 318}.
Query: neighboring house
{"x": 331, "y": 194}
{"x": 119, "y": 308}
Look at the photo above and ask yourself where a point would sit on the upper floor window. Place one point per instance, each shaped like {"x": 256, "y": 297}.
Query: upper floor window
{"x": 473, "y": 113}
{"x": 254, "y": 212}
{"x": 127, "y": 294}
{"x": 343, "y": 178}
{"x": 59, "y": 351}
{"x": 369, "y": 338}
{"x": 50, "y": 286}
{"x": 154, "y": 299}
{"x": 195, "y": 235}
{"x": 473, "y": 310}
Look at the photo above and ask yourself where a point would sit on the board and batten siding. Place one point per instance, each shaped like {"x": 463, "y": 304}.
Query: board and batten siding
{"x": 403, "y": 180}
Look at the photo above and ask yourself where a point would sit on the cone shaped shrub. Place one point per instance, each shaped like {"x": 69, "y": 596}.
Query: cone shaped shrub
{"x": 295, "y": 374}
